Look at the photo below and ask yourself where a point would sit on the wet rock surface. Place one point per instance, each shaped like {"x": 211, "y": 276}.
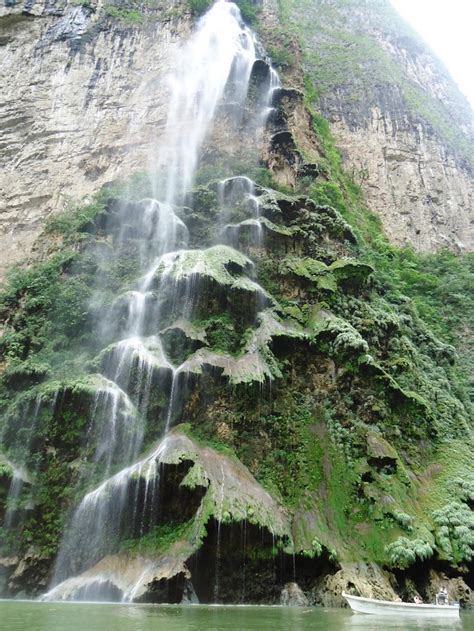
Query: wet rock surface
{"x": 359, "y": 579}
{"x": 293, "y": 596}
{"x": 458, "y": 590}
{"x": 292, "y": 377}
{"x": 26, "y": 576}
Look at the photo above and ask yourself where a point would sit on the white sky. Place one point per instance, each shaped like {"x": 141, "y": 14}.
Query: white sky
{"x": 448, "y": 28}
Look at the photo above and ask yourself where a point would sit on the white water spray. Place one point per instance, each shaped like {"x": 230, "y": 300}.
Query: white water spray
{"x": 221, "y": 49}
{"x": 214, "y": 66}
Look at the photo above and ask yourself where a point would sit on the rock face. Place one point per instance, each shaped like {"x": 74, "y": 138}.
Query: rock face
{"x": 231, "y": 494}
{"x": 360, "y": 579}
{"x": 85, "y": 95}
{"x": 293, "y": 596}
{"x": 83, "y": 100}
{"x": 28, "y": 575}
{"x": 404, "y": 128}
{"x": 458, "y": 590}
{"x": 122, "y": 577}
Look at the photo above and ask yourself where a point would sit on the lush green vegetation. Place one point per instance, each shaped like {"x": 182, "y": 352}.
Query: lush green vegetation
{"x": 133, "y": 16}
{"x": 46, "y": 343}
{"x": 325, "y": 445}
{"x": 199, "y": 7}
{"x": 405, "y": 552}
{"x": 440, "y": 285}
{"x": 281, "y": 55}
{"x": 339, "y": 55}
{"x": 157, "y": 540}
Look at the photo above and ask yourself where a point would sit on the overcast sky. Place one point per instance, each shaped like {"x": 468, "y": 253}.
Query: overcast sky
{"x": 448, "y": 27}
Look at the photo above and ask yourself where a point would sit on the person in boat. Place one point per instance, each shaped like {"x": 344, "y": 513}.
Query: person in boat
{"x": 442, "y": 596}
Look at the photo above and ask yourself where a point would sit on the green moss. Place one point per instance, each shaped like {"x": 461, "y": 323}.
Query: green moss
{"x": 43, "y": 306}
{"x": 221, "y": 334}
{"x": 249, "y": 10}
{"x": 352, "y": 272}
{"x": 378, "y": 447}
{"x": 158, "y": 540}
{"x": 281, "y": 56}
{"x": 132, "y": 16}
{"x": 220, "y": 263}
{"x": 199, "y": 7}
{"x": 195, "y": 477}
{"x": 307, "y": 268}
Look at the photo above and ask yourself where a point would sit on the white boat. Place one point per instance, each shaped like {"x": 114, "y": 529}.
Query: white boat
{"x": 395, "y": 608}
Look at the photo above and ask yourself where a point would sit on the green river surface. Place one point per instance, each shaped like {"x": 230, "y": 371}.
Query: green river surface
{"x": 42, "y": 616}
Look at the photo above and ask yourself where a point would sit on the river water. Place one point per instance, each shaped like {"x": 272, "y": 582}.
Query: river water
{"x": 51, "y": 616}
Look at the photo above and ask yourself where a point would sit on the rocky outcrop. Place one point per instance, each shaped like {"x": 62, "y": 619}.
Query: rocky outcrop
{"x": 25, "y": 575}
{"x": 83, "y": 101}
{"x": 361, "y": 579}
{"x": 404, "y": 129}
{"x": 231, "y": 495}
{"x": 458, "y": 590}
{"x": 126, "y": 577}
{"x": 293, "y": 596}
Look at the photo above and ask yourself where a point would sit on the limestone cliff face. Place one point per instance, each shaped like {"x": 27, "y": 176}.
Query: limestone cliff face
{"x": 82, "y": 101}
{"x": 404, "y": 128}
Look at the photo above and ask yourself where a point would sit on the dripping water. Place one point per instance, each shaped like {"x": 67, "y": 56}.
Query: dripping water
{"x": 22, "y": 474}
{"x": 238, "y": 200}
{"x": 220, "y": 508}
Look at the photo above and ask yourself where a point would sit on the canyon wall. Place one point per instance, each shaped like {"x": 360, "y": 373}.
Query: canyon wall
{"x": 81, "y": 104}
{"x": 404, "y": 128}
{"x": 84, "y": 101}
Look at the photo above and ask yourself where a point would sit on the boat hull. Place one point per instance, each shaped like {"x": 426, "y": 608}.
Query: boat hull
{"x": 388, "y": 608}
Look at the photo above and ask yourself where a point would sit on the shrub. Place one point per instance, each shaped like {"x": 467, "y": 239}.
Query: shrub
{"x": 281, "y": 56}
{"x": 248, "y": 10}
{"x": 131, "y": 16}
{"x": 455, "y": 531}
{"x": 404, "y": 520}
{"x": 199, "y": 7}
{"x": 405, "y": 552}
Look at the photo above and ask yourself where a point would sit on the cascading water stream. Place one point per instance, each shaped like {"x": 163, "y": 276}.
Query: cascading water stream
{"x": 216, "y": 63}
{"x": 20, "y": 473}
{"x": 234, "y": 191}
{"x": 220, "y": 509}
{"x": 222, "y": 49}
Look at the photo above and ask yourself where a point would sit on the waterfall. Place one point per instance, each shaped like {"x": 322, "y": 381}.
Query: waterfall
{"x": 222, "y": 46}
{"x": 218, "y": 541}
{"x": 214, "y": 67}
{"x": 232, "y": 191}
{"x": 20, "y": 473}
